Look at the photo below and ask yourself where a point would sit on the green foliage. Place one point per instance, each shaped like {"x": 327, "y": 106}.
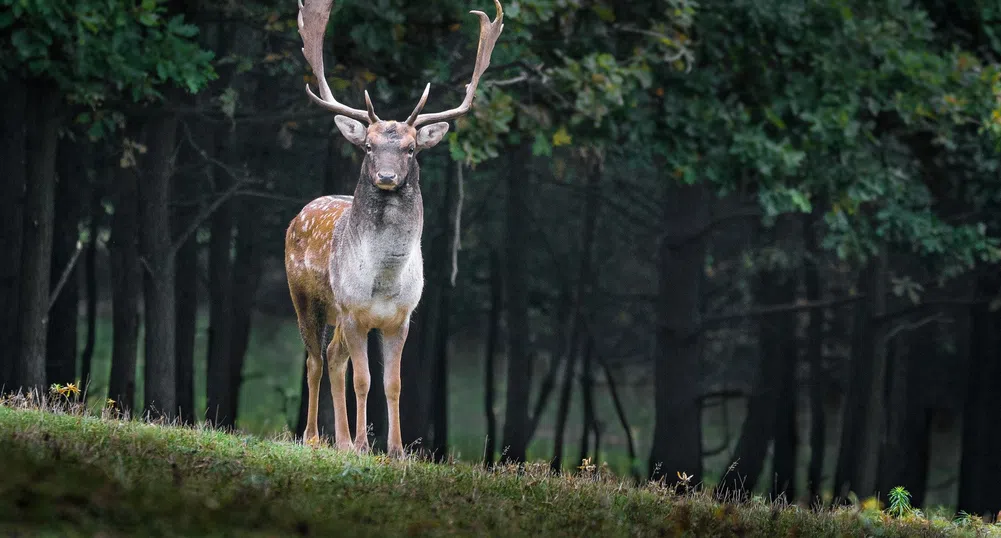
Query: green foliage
{"x": 101, "y": 50}
{"x": 900, "y": 503}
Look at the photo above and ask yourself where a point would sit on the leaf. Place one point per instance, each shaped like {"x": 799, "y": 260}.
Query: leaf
{"x": 561, "y": 137}
{"x": 541, "y": 146}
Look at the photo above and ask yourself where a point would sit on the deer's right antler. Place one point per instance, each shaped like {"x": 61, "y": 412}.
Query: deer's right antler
{"x": 312, "y": 26}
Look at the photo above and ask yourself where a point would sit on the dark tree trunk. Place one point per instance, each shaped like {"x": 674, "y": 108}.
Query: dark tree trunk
{"x": 620, "y": 412}
{"x": 36, "y": 256}
{"x": 160, "y": 369}
{"x": 815, "y": 358}
{"x": 439, "y": 383}
{"x": 861, "y": 428}
{"x": 563, "y": 405}
{"x": 490, "y": 355}
{"x": 126, "y": 290}
{"x": 13, "y": 170}
{"x": 186, "y": 294}
{"x": 904, "y": 458}
{"x": 414, "y": 417}
{"x": 575, "y": 324}
{"x": 519, "y": 360}
{"x": 219, "y": 378}
{"x": 589, "y": 420}
{"x": 96, "y": 194}
{"x": 873, "y": 436}
{"x": 72, "y": 178}
{"x": 247, "y": 269}
{"x": 785, "y": 438}
{"x": 979, "y": 472}
{"x": 677, "y": 436}
{"x": 186, "y": 307}
{"x": 771, "y": 387}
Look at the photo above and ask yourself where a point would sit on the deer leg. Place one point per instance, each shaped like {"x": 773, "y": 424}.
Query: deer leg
{"x": 392, "y": 352}
{"x": 337, "y": 366}
{"x": 313, "y": 372}
{"x": 356, "y": 339}
{"x": 309, "y": 327}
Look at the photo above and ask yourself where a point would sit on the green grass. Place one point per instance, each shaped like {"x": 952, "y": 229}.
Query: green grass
{"x": 71, "y": 474}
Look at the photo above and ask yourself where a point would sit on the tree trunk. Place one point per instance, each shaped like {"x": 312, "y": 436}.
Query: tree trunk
{"x": 218, "y": 385}
{"x": 160, "y": 369}
{"x": 13, "y": 171}
{"x": 414, "y": 417}
{"x": 862, "y": 428}
{"x": 589, "y": 421}
{"x": 519, "y": 360}
{"x": 36, "y": 257}
{"x": 904, "y": 458}
{"x": 979, "y": 472}
{"x": 786, "y": 438}
{"x": 563, "y": 405}
{"x": 439, "y": 384}
{"x": 72, "y": 178}
{"x": 770, "y": 384}
{"x": 490, "y": 354}
{"x": 815, "y": 357}
{"x": 186, "y": 294}
{"x": 677, "y": 436}
{"x": 186, "y": 308}
{"x": 96, "y": 194}
{"x": 873, "y": 437}
{"x": 575, "y": 325}
{"x": 126, "y": 291}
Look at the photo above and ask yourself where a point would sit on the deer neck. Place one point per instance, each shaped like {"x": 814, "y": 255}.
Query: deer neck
{"x": 387, "y": 223}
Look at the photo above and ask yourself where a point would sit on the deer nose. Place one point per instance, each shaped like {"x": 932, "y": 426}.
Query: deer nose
{"x": 386, "y": 179}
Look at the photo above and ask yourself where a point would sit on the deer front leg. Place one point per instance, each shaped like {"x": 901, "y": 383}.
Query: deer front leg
{"x": 356, "y": 339}
{"x": 337, "y": 367}
{"x": 392, "y": 352}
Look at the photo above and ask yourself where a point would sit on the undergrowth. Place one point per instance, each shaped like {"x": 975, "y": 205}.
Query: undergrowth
{"x": 67, "y": 471}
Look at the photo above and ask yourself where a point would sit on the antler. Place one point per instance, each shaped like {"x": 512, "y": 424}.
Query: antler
{"x": 312, "y": 26}
{"x": 489, "y": 32}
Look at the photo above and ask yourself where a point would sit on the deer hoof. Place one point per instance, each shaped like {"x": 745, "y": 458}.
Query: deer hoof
{"x": 395, "y": 452}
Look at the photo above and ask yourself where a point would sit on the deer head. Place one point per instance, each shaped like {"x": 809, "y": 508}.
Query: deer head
{"x": 390, "y": 147}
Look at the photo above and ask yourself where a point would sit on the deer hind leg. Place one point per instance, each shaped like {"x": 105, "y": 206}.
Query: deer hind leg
{"x": 337, "y": 366}
{"x": 392, "y": 352}
{"x": 310, "y": 327}
{"x": 356, "y": 339}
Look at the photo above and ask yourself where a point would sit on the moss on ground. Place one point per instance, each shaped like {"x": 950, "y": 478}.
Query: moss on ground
{"x": 74, "y": 474}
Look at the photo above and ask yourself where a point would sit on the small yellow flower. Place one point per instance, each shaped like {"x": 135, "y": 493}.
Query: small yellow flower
{"x": 71, "y": 388}
{"x": 110, "y": 403}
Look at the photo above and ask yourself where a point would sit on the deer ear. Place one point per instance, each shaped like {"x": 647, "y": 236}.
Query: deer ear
{"x": 429, "y": 135}
{"x": 353, "y": 130}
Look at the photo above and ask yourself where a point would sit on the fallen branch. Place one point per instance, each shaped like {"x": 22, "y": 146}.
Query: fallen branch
{"x": 66, "y": 274}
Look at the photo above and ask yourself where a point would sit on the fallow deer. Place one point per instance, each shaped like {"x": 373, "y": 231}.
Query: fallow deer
{"x": 354, "y": 262}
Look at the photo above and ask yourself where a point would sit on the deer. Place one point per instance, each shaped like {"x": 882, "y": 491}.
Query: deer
{"x": 354, "y": 262}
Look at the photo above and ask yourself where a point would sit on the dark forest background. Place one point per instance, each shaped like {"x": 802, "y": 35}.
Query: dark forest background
{"x": 754, "y": 241}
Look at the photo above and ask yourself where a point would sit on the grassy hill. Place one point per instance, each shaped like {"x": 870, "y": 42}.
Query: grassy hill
{"x": 72, "y": 474}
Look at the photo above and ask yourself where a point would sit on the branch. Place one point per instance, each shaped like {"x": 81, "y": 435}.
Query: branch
{"x": 912, "y": 326}
{"x": 204, "y": 214}
{"x": 66, "y": 275}
{"x": 456, "y": 225}
{"x": 781, "y": 309}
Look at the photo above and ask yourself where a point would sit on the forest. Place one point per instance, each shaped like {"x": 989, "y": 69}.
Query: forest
{"x": 750, "y": 244}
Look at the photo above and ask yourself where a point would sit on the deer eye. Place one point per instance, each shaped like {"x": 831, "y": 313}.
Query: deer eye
{"x": 368, "y": 148}
{"x": 411, "y": 150}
